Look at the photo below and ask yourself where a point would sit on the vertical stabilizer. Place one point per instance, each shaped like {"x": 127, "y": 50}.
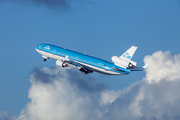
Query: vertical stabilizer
{"x": 129, "y": 53}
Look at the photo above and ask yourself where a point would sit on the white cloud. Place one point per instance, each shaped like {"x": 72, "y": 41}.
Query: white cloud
{"x": 4, "y": 115}
{"x": 107, "y": 97}
{"x": 162, "y": 66}
{"x": 61, "y": 96}
{"x": 66, "y": 94}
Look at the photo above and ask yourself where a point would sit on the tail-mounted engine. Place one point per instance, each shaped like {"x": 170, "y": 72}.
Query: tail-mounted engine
{"x": 123, "y": 62}
{"x": 61, "y": 63}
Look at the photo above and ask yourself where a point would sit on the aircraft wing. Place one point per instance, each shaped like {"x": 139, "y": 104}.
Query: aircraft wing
{"x": 115, "y": 68}
{"x": 83, "y": 68}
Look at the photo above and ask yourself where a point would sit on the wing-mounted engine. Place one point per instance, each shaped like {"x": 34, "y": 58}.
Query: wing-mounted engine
{"x": 123, "y": 62}
{"x": 61, "y": 63}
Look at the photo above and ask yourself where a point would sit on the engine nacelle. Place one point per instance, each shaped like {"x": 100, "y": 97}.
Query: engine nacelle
{"x": 60, "y": 63}
{"x": 122, "y": 62}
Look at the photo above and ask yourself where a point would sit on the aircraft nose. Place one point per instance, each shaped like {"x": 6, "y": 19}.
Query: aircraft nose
{"x": 36, "y": 48}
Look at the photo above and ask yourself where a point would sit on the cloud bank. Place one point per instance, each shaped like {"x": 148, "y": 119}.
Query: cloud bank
{"x": 4, "y": 115}
{"x": 163, "y": 66}
{"x": 66, "y": 94}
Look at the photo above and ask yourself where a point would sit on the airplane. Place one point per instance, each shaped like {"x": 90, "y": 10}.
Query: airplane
{"x": 87, "y": 64}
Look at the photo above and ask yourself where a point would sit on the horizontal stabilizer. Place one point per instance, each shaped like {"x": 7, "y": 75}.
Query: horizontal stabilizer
{"x": 145, "y": 66}
{"x": 138, "y": 68}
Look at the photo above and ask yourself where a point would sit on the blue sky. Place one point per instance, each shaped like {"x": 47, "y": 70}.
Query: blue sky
{"x": 101, "y": 28}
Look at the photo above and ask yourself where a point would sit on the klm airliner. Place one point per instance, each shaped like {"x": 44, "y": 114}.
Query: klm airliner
{"x": 87, "y": 64}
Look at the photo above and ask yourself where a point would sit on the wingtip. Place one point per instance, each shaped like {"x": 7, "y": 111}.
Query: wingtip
{"x": 145, "y": 66}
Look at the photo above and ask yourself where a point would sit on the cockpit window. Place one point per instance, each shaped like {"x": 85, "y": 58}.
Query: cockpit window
{"x": 37, "y": 45}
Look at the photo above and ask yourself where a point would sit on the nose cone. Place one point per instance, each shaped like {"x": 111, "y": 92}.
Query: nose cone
{"x": 39, "y": 51}
{"x": 36, "y": 49}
